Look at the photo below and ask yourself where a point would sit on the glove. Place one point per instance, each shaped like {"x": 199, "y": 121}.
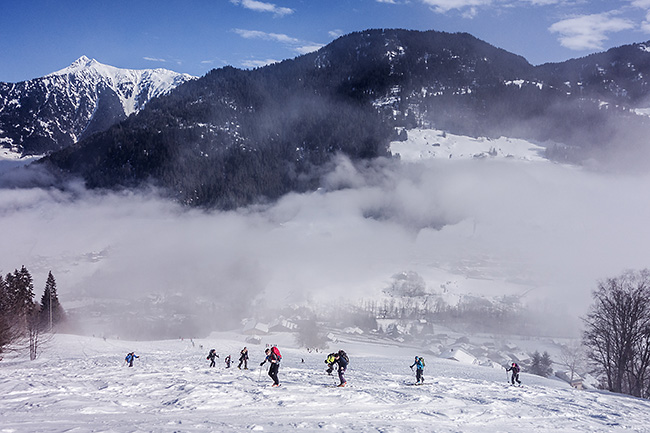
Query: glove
{"x": 261, "y": 364}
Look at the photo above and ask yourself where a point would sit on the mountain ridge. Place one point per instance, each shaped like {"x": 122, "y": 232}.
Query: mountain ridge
{"x": 51, "y": 112}
{"x": 235, "y": 137}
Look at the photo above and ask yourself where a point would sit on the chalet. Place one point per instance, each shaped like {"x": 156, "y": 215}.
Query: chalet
{"x": 459, "y": 355}
{"x": 255, "y": 328}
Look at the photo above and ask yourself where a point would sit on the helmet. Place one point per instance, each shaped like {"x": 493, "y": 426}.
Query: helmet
{"x": 514, "y": 363}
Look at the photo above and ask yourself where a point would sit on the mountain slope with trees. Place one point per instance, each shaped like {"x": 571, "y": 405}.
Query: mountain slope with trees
{"x": 236, "y": 137}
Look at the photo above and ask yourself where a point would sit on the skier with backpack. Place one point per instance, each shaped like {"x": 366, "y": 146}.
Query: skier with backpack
{"x": 227, "y": 361}
{"x": 515, "y": 372}
{"x": 330, "y": 363}
{"x": 274, "y": 357}
{"x": 341, "y": 358}
{"x": 130, "y": 357}
{"x": 419, "y": 372}
{"x": 243, "y": 359}
{"x": 212, "y": 356}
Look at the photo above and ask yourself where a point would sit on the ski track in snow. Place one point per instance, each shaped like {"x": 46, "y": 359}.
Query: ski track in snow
{"x": 81, "y": 384}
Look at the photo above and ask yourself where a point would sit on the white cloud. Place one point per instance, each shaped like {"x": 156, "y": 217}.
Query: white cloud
{"x": 336, "y": 33}
{"x": 296, "y": 45}
{"x": 259, "y": 6}
{"x": 643, "y": 4}
{"x": 154, "y": 59}
{"x": 309, "y": 48}
{"x": 256, "y": 34}
{"x": 588, "y": 32}
{"x": 645, "y": 25}
{"x": 443, "y": 6}
{"x": 258, "y": 63}
{"x": 542, "y": 2}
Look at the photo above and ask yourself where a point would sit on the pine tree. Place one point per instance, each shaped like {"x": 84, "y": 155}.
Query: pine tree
{"x": 51, "y": 311}
{"x": 541, "y": 364}
{"x": 546, "y": 362}
{"x": 19, "y": 311}
{"x": 6, "y": 334}
{"x": 20, "y": 294}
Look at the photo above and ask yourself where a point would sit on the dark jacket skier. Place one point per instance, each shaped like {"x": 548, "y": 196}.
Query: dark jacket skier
{"x": 341, "y": 358}
{"x": 130, "y": 357}
{"x": 243, "y": 359}
{"x": 212, "y": 356}
{"x": 515, "y": 372}
{"x": 227, "y": 361}
{"x": 419, "y": 372}
{"x": 274, "y": 367}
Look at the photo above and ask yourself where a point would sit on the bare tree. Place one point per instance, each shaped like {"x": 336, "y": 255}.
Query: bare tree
{"x": 617, "y": 332}
{"x": 34, "y": 327}
{"x": 572, "y": 356}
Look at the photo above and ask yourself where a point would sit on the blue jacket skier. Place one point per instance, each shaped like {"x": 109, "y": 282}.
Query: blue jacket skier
{"x": 130, "y": 357}
{"x": 419, "y": 372}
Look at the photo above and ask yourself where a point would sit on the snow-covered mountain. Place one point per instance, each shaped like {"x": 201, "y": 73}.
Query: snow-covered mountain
{"x": 52, "y": 112}
{"x": 285, "y": 122}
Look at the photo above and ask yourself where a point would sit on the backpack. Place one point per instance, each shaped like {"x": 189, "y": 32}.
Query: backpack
{"x": 421, "y": 361}
{"x": 344, "y": 355}
{"x": 276, "y": 352}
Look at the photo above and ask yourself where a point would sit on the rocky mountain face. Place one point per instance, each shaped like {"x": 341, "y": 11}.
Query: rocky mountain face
{"x": 49, "y": 113}
{"x": 234, "y": 137}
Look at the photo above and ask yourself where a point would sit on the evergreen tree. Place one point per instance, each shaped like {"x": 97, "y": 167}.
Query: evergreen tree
{"x": 51, "y": 312}
{"x": 541, "y": 364}
{"x": 5, "y": 321}
{"x": 546, "y": 364}
{"x": 20, "y": 293}
{"x": 19, "y": 311}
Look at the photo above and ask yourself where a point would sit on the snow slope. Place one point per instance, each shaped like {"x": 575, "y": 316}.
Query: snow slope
{"x": 80, "y": 384}
{"x": 433, "y": 143}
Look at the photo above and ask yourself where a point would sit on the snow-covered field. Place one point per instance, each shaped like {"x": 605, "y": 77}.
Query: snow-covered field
{"x": 80, "y": 384}
{"x": 433, "y": 143}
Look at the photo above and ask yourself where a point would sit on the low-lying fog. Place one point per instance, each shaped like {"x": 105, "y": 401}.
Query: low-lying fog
{"x": 484, "y": 226}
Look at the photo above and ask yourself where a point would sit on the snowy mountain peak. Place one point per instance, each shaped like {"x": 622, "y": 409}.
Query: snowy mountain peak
{"x": 65, "y": 105}
{"x": 82, "y": 63}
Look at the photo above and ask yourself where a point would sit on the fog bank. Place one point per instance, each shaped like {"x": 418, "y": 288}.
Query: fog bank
{"x": 487, "y": 227}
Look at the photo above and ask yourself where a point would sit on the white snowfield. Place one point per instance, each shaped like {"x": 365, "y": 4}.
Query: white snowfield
{"x": 80, "y": 384}
{"x": 432, "y": 143}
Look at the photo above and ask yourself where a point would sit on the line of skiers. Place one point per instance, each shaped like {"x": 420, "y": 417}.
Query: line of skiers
{"x": 339, "y": 359}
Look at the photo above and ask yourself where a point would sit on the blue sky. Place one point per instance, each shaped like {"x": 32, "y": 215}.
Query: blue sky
{"x": 193, "y": 36}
